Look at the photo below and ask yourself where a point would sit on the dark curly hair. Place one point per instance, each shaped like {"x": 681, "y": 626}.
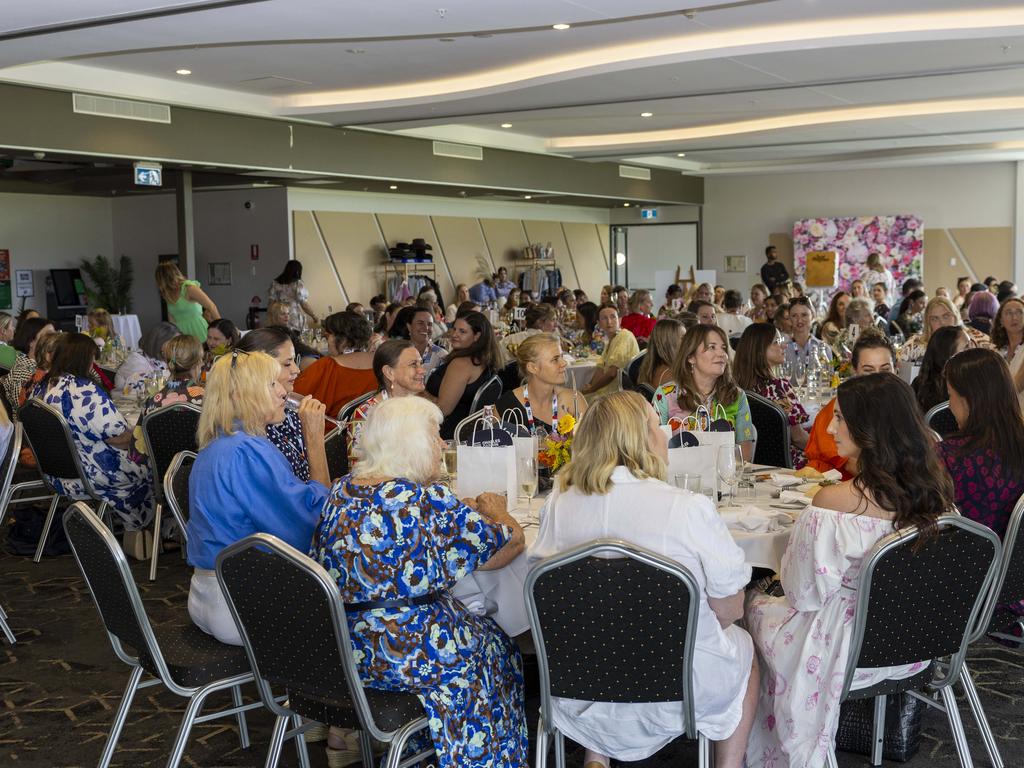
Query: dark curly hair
{"x": 898, "y": 466}
{"x": 350, "y": 326}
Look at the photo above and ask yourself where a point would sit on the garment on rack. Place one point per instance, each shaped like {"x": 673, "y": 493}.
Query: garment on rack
{"x": 545, "y": 281}
{"x": 400, "y": 287}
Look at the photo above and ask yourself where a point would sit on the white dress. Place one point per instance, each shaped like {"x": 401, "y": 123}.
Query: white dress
{"x": 803, "y": 639}
{"x": 885, "y": 276}
{"x": 683, "y": 527}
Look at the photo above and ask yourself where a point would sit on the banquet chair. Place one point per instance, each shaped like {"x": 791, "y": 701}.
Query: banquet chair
{"x": 293, "y": 626}
{"x": 596, "y": 630}
{"x": 189, "y": 662}
{"x": 773, "y": 438}
{"x": 487, "y": 394}
{"x": 646, "y": 391}
{"x": 167, "y": 432}
{"x": 920, "y": 599}
{"x": 176, "y": 490}
{"x": 633, "y": 369}
{"x": 336, "y": 448}
{"x": 350, "y": 407}
{"x": 941, "y": 419}
{"x": 51, "y": 441}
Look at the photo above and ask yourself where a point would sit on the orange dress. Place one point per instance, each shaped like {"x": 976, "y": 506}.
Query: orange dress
{"x": 821, "y": 451}
{"x": 333, "y": 384}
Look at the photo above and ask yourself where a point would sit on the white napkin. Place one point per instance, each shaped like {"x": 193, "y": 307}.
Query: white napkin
{"x": 795, "y": 496}
{"x": 784, "y": 480}
{"x": 833, "y": 474}
{"x": 754, "y": 519}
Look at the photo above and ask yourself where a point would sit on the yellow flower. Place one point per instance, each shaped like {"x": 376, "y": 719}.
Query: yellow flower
{"x": 566, "y": 424}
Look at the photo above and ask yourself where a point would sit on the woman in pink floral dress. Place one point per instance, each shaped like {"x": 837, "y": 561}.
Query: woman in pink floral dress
{"x": 803, "y": 638}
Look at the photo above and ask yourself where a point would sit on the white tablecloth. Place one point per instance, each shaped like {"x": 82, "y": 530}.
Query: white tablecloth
{"x": 125, "y": 326}
{"x": 499, "y": 593}
{"x": 580, "y": 373}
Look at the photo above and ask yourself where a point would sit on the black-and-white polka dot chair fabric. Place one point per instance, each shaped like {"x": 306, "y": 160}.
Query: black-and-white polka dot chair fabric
{"x": 921, "y": 598}
{"x": 773, "y": 436}
{"x": 189, "y": 662}
{"x": 941, "y": 419}
{"x": 613, "y": 622}
{"x": 293, "y": 626}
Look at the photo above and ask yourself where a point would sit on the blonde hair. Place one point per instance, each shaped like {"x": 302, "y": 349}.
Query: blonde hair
{"x": 45, "y": 347}
{"x": 612, "y": 433}
{"x": 399, "y": 439}
{"x": 926, "y": 331}
{"x": 239, "y": 390}
{"x": 182, "y": 354}
{"x": 529, "y": 348}
{"x": 274, "y": 310}
{"x": 169, "y": 280}
{"x": 100, "y": 318}
{"x": 6, "y": 321}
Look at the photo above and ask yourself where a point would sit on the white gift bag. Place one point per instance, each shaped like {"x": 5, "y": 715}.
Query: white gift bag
{"x": 701, "y": 459}
{"x": 487, "y": 465}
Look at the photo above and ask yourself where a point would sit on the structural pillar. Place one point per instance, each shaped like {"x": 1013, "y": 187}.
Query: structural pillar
{"x": 186, "y": 225}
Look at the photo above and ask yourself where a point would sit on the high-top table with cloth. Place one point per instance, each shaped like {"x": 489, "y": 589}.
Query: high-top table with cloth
{"x": 760, "y": 529}
{"x": 125, "y": 326}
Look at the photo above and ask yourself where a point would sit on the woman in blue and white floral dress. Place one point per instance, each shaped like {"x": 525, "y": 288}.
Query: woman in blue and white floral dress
{"x": 101, "y": 434}
{"x": 393, "y": 534}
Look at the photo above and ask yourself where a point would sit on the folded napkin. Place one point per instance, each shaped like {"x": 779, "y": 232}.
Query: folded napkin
{"x": 784, "y": 480}
{"x": 833, "y": 474}
{"x": 795, "y": 496}
{"x": 754, "y": 519}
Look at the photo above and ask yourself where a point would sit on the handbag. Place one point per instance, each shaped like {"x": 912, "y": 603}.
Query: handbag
{"x": 902, "y": 726}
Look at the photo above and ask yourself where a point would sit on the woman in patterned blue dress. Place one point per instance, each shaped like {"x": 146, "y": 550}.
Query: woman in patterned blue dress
{"x": 393, "y": 533}
{"x": 101, "y": 434}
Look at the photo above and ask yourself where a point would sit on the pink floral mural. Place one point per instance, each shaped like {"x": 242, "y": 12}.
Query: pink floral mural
{"x": 899, "y": 240}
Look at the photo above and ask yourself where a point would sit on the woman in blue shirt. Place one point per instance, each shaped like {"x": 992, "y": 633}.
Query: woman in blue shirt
{"x": 241, "y": 483}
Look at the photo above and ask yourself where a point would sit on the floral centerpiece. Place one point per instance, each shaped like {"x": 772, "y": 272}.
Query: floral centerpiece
{"x": 556, "y": 448}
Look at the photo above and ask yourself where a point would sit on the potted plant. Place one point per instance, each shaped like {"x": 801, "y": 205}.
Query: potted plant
{"x": 108, "y": 286}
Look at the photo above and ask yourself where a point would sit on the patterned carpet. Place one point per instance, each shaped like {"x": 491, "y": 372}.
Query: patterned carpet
{"x": 61, "y": 683}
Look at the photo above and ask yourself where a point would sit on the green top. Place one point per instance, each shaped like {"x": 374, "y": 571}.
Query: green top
{"x": 7, "y": 355}
{"x": 188, "y": 314}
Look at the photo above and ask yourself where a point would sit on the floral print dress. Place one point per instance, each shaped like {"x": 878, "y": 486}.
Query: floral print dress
{"x": 125, "y": 484}
{"x": 399, "y": 540}
{"x": 803, "y": 639}
{"x": 289, "y": 439}
{"x": 780, "y": 392}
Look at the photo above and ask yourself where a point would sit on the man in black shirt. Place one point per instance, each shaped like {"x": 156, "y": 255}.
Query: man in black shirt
{"x": 773, "y": 273}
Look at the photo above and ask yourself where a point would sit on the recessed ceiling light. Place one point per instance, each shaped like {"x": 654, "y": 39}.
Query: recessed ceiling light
{"x": 183, "y": 71}
{"x": 559, "y": 27}
{"x": 625, "y": 205}
{"x": 506, "y": 125}
{"x": 680, "y": 154}
{"x": 393, "y": 186}
{"x": 646, "y": 114}
{"x": 527, "y": 197}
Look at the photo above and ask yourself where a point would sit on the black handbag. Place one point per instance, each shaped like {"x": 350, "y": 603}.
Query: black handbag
{"x": 902, "y": 726}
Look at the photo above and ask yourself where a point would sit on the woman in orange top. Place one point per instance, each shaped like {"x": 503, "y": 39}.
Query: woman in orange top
{"x": 346, "y": 372}
{"x": 871, "y": 354}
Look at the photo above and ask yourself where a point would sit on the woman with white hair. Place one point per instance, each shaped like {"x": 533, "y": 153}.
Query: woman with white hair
{"x": 241, "y": 483}
{"x": 146, "y": 361}
{"x": 614, "y": 488}
{"x": 938, "y": 313}
{"x": 397, "y": 540}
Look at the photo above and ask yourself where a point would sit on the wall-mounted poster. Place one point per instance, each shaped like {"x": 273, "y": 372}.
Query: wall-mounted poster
{"x": 220, "y": 273}
{"x": 735, "y": 263}
{"x": 821, "y": 269}
{"x": 5, "y": 278}
{"x": 899, "y": 240}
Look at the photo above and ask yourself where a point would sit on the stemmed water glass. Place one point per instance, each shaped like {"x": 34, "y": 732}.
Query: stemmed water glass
{"x": 730, "y": 467}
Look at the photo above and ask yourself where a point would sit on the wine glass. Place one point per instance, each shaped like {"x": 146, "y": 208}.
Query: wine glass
{"x": 800, "y": 374}
{"x": 451, "y": 459}
{"x": 786, "y": 369}
{"x": 730, "y": 466}
{"x": 526, "y": 475}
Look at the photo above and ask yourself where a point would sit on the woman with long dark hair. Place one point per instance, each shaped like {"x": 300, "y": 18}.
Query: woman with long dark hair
{"x": 835, "y": 321}
{"x": 474, "y": 357}
{"x": 930, "y": 384}
{"x": 804, "y": 637}
{"x": 346, "y": 372}
{"x": 288, "y": 289}
{"x": 986, "y": 456}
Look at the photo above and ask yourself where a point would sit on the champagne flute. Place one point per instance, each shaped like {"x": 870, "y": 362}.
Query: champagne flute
{"x": 730, "y": 466}
{"x": 526, "y": 475}
{"x": 293, "y": 400}
{"x": 451, "y": 458}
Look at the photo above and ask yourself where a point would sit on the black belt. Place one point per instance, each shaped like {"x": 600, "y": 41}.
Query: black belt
{"x": 409, "y": 602}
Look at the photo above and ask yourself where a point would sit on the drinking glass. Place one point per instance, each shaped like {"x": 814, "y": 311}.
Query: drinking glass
{"x": 688, "y": 482}
{"x": 786, "y": 369}
{"x": 800, "y": 374}
{"x": 293, "y": 400}
{"x": 526, "y": 475}
{"x": 730, "y": 467}
{"x": 451, "y": 458}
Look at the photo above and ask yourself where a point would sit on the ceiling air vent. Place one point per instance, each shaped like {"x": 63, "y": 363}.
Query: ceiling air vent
{"x": 461, "y": 151}
{"x": 104, "y": 106}
{"x": 632, "y": 172}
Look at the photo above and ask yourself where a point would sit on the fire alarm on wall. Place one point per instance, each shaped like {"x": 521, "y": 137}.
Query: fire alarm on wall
{"x": 254, "y": 252}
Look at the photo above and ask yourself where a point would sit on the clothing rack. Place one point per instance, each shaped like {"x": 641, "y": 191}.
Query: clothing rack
{"x": 410, "y": 274}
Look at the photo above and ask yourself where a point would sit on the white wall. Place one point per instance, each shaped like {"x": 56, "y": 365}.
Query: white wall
{"x": 740, "y": 212}
{"x": 52, "y": 231}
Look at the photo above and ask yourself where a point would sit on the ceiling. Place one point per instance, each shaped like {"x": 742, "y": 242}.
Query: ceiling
{"x": 737, "y": 87}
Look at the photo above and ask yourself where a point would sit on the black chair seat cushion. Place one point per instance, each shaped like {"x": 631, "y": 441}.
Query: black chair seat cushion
{"x": 890, "y": 687}
{"x": 390, "y": 710}
{"x": 195, "y": 658}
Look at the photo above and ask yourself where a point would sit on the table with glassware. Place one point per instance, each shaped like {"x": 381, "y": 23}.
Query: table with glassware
{"x": 759, "y": 521}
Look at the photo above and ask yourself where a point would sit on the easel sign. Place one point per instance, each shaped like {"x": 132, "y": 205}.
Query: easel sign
{"x": 822, "y": 269}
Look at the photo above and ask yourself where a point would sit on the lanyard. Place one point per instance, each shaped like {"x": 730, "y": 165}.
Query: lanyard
{"x": 529, "y": 410}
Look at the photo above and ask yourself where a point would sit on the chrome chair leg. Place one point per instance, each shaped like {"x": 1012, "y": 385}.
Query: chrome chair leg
{"x": 46, "y": 529}
{"x": 830, "y": 757}
{"x": 156, "y": 544}
{"x": 957, "y": 727}
{"x": 120, "y": 717}
{"x": 195, "y": 704}
{"x": 398, "y": 742}
{"x": 277, "y": 741}
{"x": 559, "y": 750}
{"x": 878, "y": 730}
{"x": 541, "y": 758}
{"x": 366, "y": 748}
{"x": 704, "y": 751}
{"x": 979, "y": 717}
{"x": 243, "y": 726}
{"x": 301, "y": 750}
{"x": 5, "y": 628}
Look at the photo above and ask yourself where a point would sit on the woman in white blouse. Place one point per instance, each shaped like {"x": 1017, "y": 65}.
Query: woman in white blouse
{"x": 614, "y": 488}
{"x": 875, "y": 272}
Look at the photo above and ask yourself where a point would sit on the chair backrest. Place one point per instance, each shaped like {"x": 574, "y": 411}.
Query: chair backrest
{"x": 633, "y": 369}
{"x": 1008, "y": 585}
{"x": 614, "y": 622}
{"x": 167, "y": 432}
{"x": 773, "y": 438}
{"x": 292, "y": 622}
{"x": 647, "y": 391}
{"x": 941, "y": 419}
{"x": 921, "y": 599}
{"x": 106, "y": 572}
{"x": 336, "y": 447}
{"x": 176, "y": 488}
{"x": 464, "y": 429}
{"x": 9, "y": 462}
{"x": 350, "y": 407}
{"x": 487, "y": 394}
{"x": 51, "y": 440}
